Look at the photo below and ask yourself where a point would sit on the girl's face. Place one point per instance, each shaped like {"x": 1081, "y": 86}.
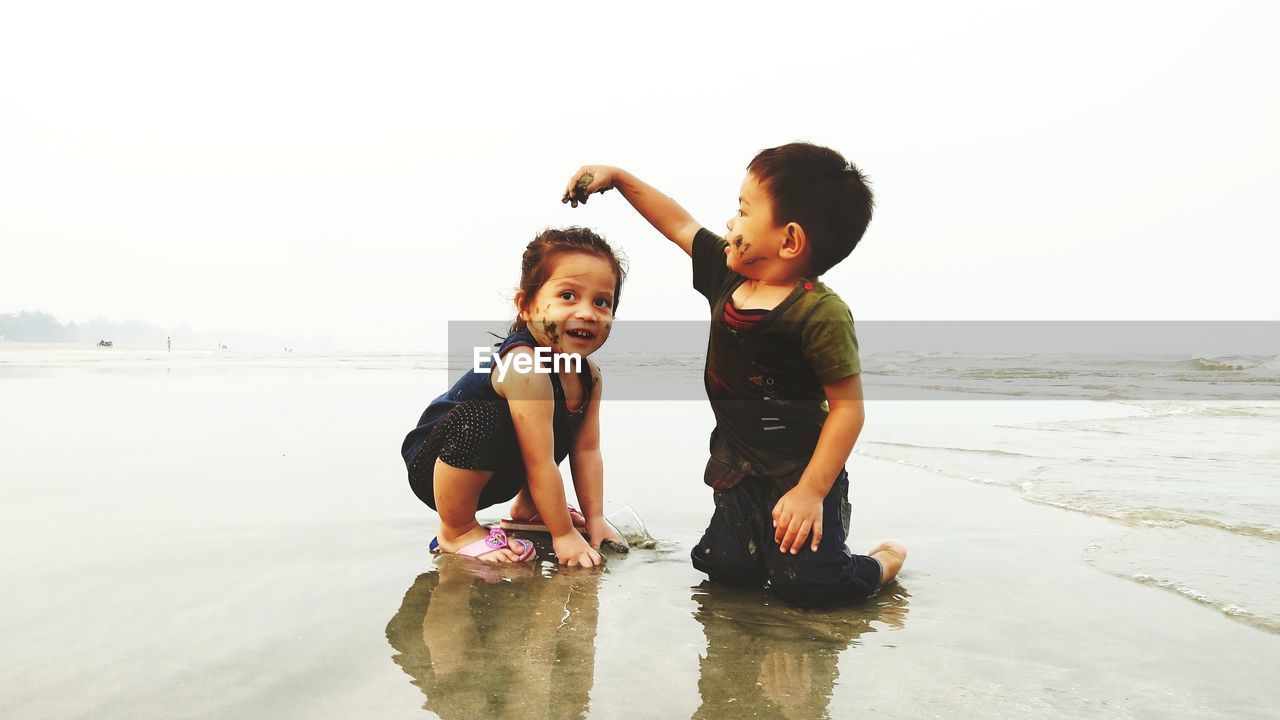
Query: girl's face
{"x": 573, "y": 310}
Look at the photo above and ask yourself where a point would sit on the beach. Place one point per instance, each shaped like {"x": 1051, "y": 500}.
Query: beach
{"x": 219, "y": 534}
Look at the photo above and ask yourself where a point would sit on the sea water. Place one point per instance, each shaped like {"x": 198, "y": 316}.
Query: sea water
{"x": 1182, "y": 452}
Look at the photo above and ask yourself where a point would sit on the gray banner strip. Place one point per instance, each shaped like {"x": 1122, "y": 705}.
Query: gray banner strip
{"x": 1119, "y": 361}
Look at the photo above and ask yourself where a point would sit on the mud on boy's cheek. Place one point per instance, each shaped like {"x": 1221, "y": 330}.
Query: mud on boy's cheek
{"x": 741, "y": 248}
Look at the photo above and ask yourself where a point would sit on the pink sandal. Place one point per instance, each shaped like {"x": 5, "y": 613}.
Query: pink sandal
{"x": 535, "y": 523}
{"x": 495, "y": 540}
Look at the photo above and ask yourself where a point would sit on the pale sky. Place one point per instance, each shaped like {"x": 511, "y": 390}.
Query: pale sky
{"x": 367, "y": 171}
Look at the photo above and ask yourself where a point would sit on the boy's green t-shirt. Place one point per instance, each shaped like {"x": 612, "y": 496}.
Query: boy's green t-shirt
{"x": 765, "y": 383}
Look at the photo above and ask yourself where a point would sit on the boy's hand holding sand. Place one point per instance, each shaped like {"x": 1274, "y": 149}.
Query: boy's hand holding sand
{"x": 663, "y": 213}
{"x": 587, "y": 180}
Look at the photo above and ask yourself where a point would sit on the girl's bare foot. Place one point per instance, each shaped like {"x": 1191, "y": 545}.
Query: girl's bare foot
{"x": 522, "y": 508}
{"x": 452, "y": 540}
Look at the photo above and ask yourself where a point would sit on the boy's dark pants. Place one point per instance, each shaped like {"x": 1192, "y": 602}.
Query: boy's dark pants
{"x": 738, "y": 548}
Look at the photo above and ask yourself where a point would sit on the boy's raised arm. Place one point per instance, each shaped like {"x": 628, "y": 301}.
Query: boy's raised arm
{"x": 663, "y": 213}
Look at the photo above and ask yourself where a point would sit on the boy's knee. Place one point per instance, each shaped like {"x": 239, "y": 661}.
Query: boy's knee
{"x": 796, "y": 582}
{"x": 731, "y": 568}
{"x": 819, "y": 580}
{"x": 799, "y": 592}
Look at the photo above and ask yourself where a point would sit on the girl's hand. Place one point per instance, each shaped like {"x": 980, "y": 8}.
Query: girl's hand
{"x": 587, "y": 180}
{"x": 573, "y": 551}
{"x": 599, "y": 530}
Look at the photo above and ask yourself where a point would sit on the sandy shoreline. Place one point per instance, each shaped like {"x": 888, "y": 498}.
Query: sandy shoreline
{"x": 243, "y": 544}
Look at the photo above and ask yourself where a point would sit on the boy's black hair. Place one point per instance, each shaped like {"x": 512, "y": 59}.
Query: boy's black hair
{"x": 818, "y": 189}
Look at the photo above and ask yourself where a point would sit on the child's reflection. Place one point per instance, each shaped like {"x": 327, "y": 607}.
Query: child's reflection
{"x": 498, "y": 641}
{"x": 770, "y": 660}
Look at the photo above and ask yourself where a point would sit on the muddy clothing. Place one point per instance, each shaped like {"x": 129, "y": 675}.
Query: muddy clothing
{"x": 738, "y": 548}
{"x": 470, "y": 427}
{"x": 765, "y": 382}
{"x": 764, "y": 377}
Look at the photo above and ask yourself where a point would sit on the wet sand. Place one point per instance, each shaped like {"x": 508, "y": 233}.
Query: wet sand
{"x": 196, "y": 541}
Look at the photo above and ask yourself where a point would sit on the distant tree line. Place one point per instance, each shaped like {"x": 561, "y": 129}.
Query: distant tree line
{"x": 36, "y": 327}
{"x": 39, "y": 326}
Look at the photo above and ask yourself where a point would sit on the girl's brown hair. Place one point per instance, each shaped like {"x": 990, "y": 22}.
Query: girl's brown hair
{"x": 535, "y": 266}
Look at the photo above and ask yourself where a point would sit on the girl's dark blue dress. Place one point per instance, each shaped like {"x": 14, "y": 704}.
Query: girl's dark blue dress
{"x": 470, "y": 427}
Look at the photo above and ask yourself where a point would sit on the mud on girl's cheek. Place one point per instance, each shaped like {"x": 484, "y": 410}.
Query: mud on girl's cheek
{"x": 606, "y": 326}
{"x": 548, "y": 327}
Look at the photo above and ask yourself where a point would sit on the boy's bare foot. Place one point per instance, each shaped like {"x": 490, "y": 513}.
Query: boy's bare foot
{"x": 891, "y": 554}
{"x": 452, "y": 542}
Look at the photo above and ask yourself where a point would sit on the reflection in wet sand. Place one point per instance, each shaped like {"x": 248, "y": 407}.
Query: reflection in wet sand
{"x": 486, "y": 641}
{"x": 765, "y": 659}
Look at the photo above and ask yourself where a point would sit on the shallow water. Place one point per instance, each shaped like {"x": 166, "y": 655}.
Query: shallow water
{"x": 1196, "y": 484}
{"x": 197, "y": 537}
{"x": 482, "y": 641}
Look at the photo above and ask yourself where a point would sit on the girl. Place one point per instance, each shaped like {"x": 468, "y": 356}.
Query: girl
{"x": 493, "y": 437}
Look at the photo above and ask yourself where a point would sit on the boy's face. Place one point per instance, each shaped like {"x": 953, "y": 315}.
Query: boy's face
{"x": 754, "y": 239}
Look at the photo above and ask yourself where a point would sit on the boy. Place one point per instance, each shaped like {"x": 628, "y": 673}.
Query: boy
{"x": 782, "y": 372}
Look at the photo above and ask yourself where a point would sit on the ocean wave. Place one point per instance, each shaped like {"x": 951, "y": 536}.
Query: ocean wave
{"x": 1112, "y": 377}
{"x": 1148, "y": 517}
{"x": 1079, "y": 363}
{"x": 943, "y": 470}
{"x": 1254, "y": 411}
{"x": 1213, "y": 365}
{"x": 1230, "y": 380}
{"x": 1158, "y": 517}
{"x": 979, "y": 451}
{"x": 1026, "y": 486}
{"x": 968, "y": 390}
{"x": 1231, "y": 610}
